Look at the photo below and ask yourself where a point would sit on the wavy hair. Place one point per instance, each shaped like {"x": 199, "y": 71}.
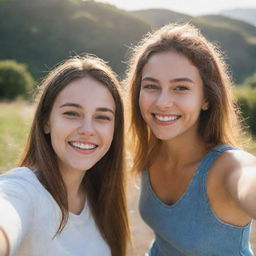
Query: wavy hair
{"x": 220, "y": 123}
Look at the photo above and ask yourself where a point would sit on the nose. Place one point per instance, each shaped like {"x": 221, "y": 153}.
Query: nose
{"x": 164, "y": 100}
{"x": 86, "y": 127}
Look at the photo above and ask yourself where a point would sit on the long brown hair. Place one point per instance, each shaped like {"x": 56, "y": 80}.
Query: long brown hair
{"x": 104, "y": 182}
{"x": 219, "y": 124}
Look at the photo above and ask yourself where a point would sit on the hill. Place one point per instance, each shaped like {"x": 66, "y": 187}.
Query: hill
{"x": 41, "y": 33}
{"x": 236, "y": 38}
{"x": 242, "y": 27}
{"x": 248, "y": 15}
{"x": 161, "y": 17}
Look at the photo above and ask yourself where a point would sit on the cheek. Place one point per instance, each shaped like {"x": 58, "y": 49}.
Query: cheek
{"x": 111, "y": 133}
{"x": 191, "y": 103}
{"x": 144, "y": 103}
{"x": 57, "y": 138}
{"x": 60, "y": 131}
{"x": 107, "y": 133}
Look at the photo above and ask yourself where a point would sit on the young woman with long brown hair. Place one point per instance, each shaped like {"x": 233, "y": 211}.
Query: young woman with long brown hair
{"x": 67, "y": 196}
{"x": 198, "y": 189}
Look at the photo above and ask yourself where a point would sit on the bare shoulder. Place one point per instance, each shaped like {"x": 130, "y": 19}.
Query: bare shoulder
{"x": 231, "y": 164}
{"x": 231, "y": 160}
{"x": 231, "y": 183}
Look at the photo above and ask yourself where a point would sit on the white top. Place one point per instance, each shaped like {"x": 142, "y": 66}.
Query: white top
{"x": 30, "y": 217}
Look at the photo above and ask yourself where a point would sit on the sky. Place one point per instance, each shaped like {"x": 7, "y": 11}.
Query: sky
{"x": 192, "y": 7}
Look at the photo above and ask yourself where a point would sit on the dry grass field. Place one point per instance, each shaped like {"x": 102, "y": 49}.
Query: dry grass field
{"x": 15, "y": 120}
{"x": 141, "y": 234}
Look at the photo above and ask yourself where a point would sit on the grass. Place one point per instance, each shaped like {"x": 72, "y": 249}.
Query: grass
{"x": 14, "y": 127}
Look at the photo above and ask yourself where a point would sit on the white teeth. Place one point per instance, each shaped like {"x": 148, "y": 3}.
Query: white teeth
{"x": 166, "y": 118}
{"x": 82, "y": 145}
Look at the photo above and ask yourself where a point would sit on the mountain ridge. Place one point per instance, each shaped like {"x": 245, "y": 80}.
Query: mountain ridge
{"x": 245, "y": 14}
{"x": 41, "y": 33}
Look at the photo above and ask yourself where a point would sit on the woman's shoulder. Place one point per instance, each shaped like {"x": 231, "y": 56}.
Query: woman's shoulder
{"x": 20, "y": 180}
{"x": 18, "y": 171}
{"x": 235, "y": 157}
{"x": 234, "y": 160}
{"x": 22, "y": 174}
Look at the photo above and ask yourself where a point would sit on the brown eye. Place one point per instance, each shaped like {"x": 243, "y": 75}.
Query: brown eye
{"x": 71, "y": 114}
{"x": 150, "y": 86}
{"x": 102, "y": 117}
{"x": 181, "y": 88}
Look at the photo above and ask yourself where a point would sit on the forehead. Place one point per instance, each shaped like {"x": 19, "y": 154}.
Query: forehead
{"x": 87, "y": 92}
{"x": 171, "y": 64}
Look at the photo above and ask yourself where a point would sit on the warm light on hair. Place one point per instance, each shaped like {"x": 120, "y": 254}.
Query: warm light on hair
{"x": 219, "y": 124}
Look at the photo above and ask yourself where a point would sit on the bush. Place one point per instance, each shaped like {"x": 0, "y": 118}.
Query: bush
{"x": 15, "y": 80}
{"x": 246, "y": 96}
{"x": 251, "y": 81}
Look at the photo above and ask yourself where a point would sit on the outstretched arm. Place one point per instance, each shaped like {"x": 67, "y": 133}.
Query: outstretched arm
{"x": 16, "y": 213}
{"x": 4, "y": 244}
{"x": 241, "y": 182}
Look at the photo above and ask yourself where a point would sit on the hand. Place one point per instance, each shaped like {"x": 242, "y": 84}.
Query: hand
{"x": 4, "y": 244}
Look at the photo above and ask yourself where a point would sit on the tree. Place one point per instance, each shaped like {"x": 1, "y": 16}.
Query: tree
{"x": 15, "y": 80}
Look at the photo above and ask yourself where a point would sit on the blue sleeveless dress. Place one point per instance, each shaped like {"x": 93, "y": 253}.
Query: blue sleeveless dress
{"x": 189, "y": 227}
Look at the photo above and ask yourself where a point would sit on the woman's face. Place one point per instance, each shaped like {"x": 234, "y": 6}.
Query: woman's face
{"x": 81, "y": 124}
{"x": 171, "y": 95}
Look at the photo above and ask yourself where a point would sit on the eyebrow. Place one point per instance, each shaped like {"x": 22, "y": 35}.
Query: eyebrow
{"x": 175, "y": 80}
{"x": 70, "y": 105}
{"x": 182, "y": 79}
{"x": 151, "y": 79}
{"x": 105, "y": 110}
{"x": 101, "y": 109}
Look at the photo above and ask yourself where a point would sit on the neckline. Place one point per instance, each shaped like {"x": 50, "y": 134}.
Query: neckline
{"x": 188, "y": 188}
{"x": 83, "y": 216}
{"x": 159, "y": 201}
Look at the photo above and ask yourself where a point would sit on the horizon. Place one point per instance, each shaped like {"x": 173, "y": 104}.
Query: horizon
{"x": 198, "y": 7}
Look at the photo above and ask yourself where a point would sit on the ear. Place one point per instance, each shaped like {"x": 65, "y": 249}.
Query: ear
{"x": 205, "y": 106}
{"x": 47, "y": 128}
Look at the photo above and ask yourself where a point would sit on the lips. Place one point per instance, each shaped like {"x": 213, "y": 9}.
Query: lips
{"x": 83, "y": 145}
{"x": 166, "y": 118}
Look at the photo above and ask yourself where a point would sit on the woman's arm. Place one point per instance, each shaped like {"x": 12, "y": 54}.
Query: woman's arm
{"x": 4, "y": 244}
{"x": 16, "y": 212}
{"x": 241, "y": 181}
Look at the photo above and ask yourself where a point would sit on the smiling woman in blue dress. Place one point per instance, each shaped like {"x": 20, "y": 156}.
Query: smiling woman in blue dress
{"x": 67, "y": 196}
{"x": 198, "y": 189}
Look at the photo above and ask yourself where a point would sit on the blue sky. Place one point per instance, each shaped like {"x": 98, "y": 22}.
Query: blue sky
{"x": 192, "y": 7}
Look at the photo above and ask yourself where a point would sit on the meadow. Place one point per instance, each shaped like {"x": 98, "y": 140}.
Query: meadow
{"x": 15, "y": 121}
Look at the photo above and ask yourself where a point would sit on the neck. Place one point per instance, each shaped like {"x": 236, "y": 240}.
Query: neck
{"x": 72, "y": 180}
{"x": 182, "y": 152}
{"x": 75, "y": 190}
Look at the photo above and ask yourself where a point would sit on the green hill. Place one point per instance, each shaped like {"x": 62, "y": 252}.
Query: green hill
{"x": 41, "y": 33}
{"x": 161, "y": 17}
{"x": 236, "y": 38}
{"x": 244, "y": 28}
{"x": 247, "y": 15}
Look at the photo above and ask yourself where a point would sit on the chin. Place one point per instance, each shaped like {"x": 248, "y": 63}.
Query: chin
{"x": 81, "y": 168}
{"x": 163, "y": 136}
